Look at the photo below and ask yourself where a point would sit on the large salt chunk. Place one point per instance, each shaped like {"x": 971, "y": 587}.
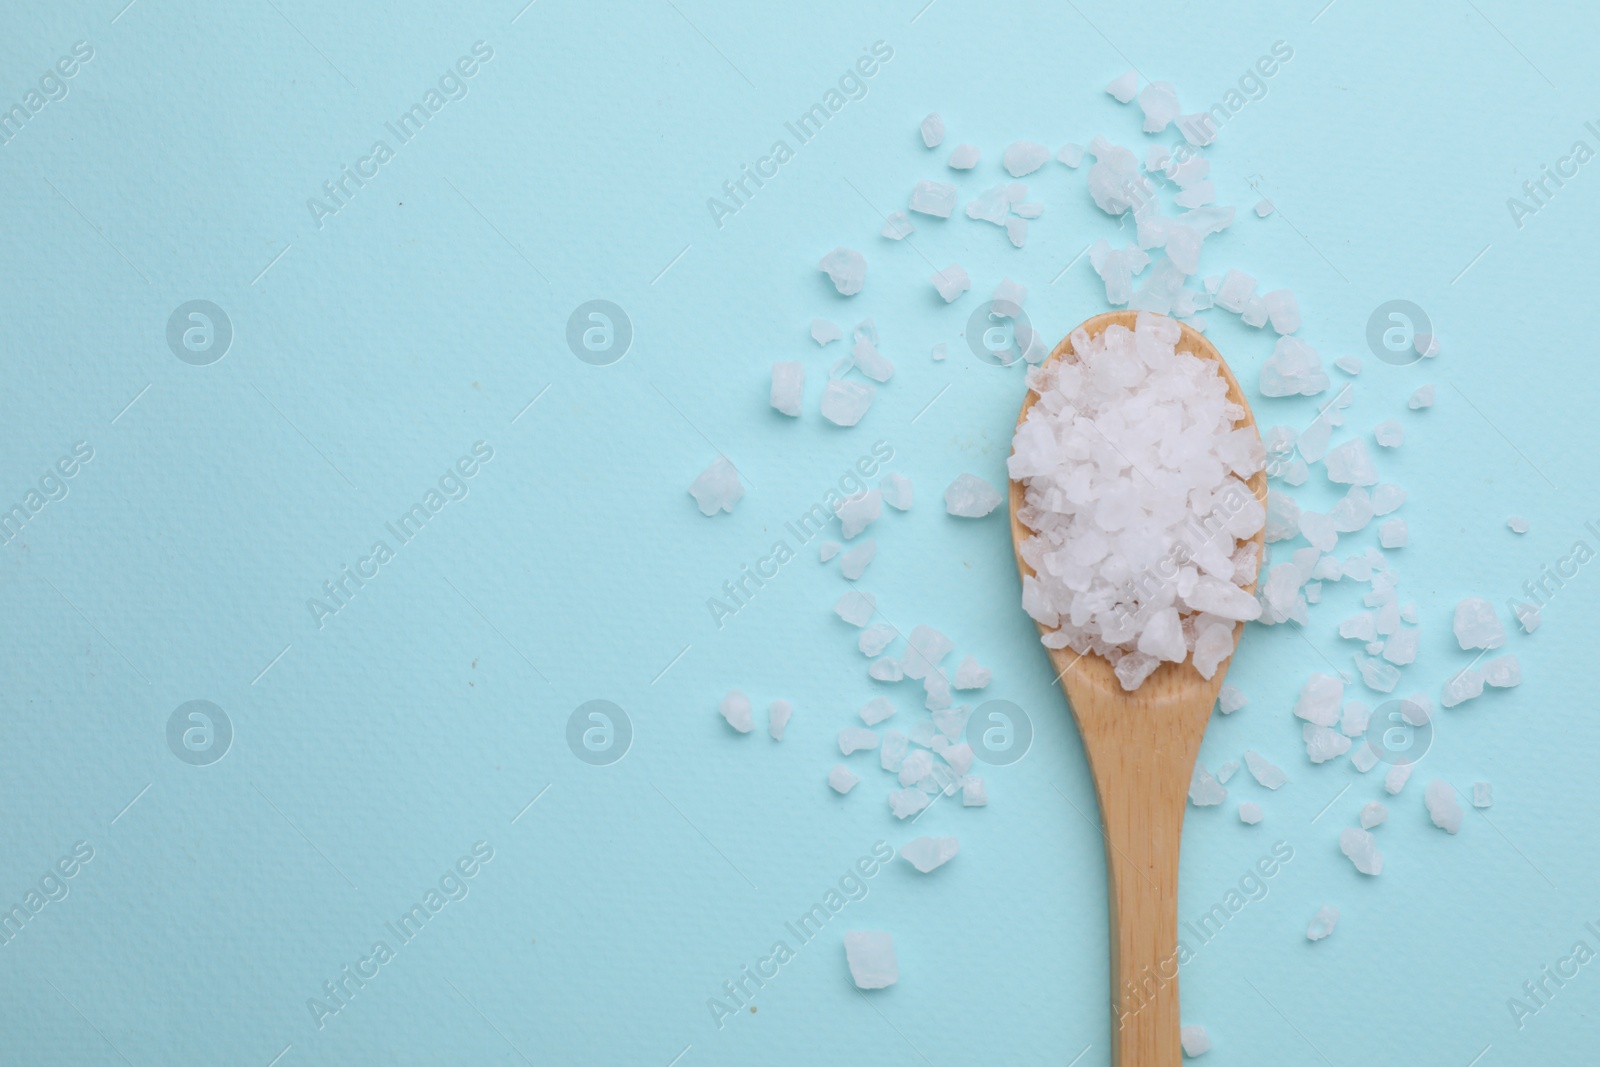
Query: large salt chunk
{"x": 963, "y": 157}
{"x": 875, "y": 638}
{"x": 1223, "y": 599}
{"x": 778, "y": 715}
{"x": 1443, "y": 808}
{"x": 858, "y": 512}
{"x": 1476, "y": 625}
{"x": 970, "y": 497}
{"x": 788, "y": 386}
{"x": 1393, "y": 533}
{"x": 933, "y": 198}
{"x": 1195, "y": 1040}
{"x": 896, "y": 490}
{"x": 735, "y": 707}
{"x": 1389, "y": 434}
{"x": 1124, "y": 86}
{"x": 1230, "y": 700}
{"x": 1396, "y": 777}
{"x": 1482, "y": 795}
{"x": 717, "y": 488}
{"x": 1263, "y": 771}
{"x": 1283, "y": 310}
{"x": 1235, "y": 291}
{"x": 907, "y": 802}
{"x": 926, "y": 853}
{"x": 1376, "y": 674}
{"x": 870, "y": 954}
{"x": 1204, "y": 789}
{"x": 1351, "y": 464}
{"x": 1322, "y": 923}
{"x": 1213, "y": 645}
{"x": 1461, "y": 687}
{"x": 845, "y": 402}
{"x": 856, "y": 607}
{"x": 876, "y": 710}
{"x": 897, "y": 226}
{"x": 1249, "y": 813}
{"x": 951, "y": 282}
{"x": 841, "y": 780}
{"x": 1319, "y": 699}
{"x": 1373, "y": 814}
{"x": 1117, "y": 268}
{"x": 855, "y": 561}
{"x": 1359, "y": 847}
{"x": 1163, "y": 636}
{"x": 925, "y": 649}
{"x": 1293, "y": 369}
{"x": 1503, "y": 672}
{"x": 1422, "y": 398}
{"x": 974, "y": 794}
{"x": 933, "y": 130}
{"x": 846, "y": 268}
{"x": 823, "y": 331}
{"x": 855, "y": 739}
{"x": 1159, "y": 102}
{"x": 1323, "y": 744}
{"x": 969, "y": 675}
{"x": 1024, "y": 157}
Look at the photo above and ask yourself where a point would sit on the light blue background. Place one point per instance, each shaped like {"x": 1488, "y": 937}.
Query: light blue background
{"x": 426, "y": 316}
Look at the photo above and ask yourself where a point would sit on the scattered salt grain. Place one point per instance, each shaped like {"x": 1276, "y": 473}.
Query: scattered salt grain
{"x": 788, "y": 387}
{"x": 1503, "y": 672}
{"x": 1319, "y": 698}
{"x": 870, "y": 954}
{"x": 1461, "y": 687}
{"x": 933, "y": 198}
{"x": 845, "y": 402}
{"x": 1358, "y": 846}
{"x": 964, "y": 157}
{"x": 1159, "y": 102}
{"x": 1204, "y": 790}
{"x": 907, "y": 802}
{"x": 735, "y": 707}
{"x": 1263, "y": 771}
{"x": 1022, "y": 158}
{"x": 1392, "y": 534}
{"x": 896, "y": 489}
{"x": 876, "y": 710}
{"x": 1422, "y": 398}
{"x": 840, "y": 780}
{"x": 1351, "y": 464}
{"x": 829, "y": 550}
{"x": 1322, "y": 923}
{"x": 1230, "y": 700}
{"x": 951, "y": 282}
{"x": 778, "y": 713}
{"x": 970, "y": 497}
{"x": 1389, "y": 434}
{"x": 823, "y": 332}
{"x": 974, "y": 794}
{"x": 1124, "y": 86}
{"x": 1249, "y": 813}
{"x": 971, "y": 676}
{"x": 885, "y": 669}
{"x": 941, "y": 352}
{"x": 1396, "y": 778}
{"x": 717, "y": 488}
{"x": 1263, "y": 208}
{"x": 855, "y": 561}
{"x": 1227, "y": 771}
{"x": 1443, "y": 809}
{"x": 856, "y": 607}
{"x": 1527, "y": 615}
{"x": 926, "y": 853}
{"x": 1476, "y": 625}
{"x": 1377, "y": 675}
{"x": 898, "y": 226}
{"x": 1071, "y": 154}
{"x": 857, "y": 513}
{"x": 1373, "y": 814}
{"x": 1363, "y": 757}
{"x": 856, "y": 739}
{"x": 1293, "y": 369}
{"x": 1195, "y": 1040}
{"x": 925, "y": 649}
{"x": 1348, "y": 364}
{"x": 846, "y": 268}
{"x": 875, "y": 638}
{"x": 1518, "y": 524}
{"x": 1017, "y": 232}
{"x": 933, "y": 130}
{"x": 1482, "y": 795}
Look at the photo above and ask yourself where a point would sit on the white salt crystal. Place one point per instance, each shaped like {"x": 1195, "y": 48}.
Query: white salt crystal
{"x": 1117, "y": 268}
{"x": 1235, "y": 291}
{"x": 1323, "y": 744}
{"x": 918, "y": 764}
{"x": 858, "y": 512}
{"x": 963, "y": 157}
{"x": 846, "y": 268}
{"x": 856, "y": 607}
{"x": 1071, "y": 154}
{"x": 1374, "y": 647}
{"x": 1373, "y": 814}
{"x": 1443, "y": 809}
{"x": 1422, "y": 398}
{"x": 1386, "y": 498}
{"x": 841, "y": 780}
{"x": 885, "y": 669}
{"x": 1249, "y": 813}
{"x": 845, "y": 402}
{"x": 974, "y": 794}
{"x": 933, "y": 198}
{"x": 893, "y": 750}
{"x": 958, "y": 756}
{"x": 1395, "y": 780}
{"x": 1322, "y": 923}
{"x": 1482, "y": 795}
{"x": 925, "y": 649}
{"x": 1227, "y": 771}
{"x": 1392, "y": 534}
{"x": 1024, "y": 157}
{"x": 875, "y": 638}
{"x": 1377, "y": 675}
{"x": 876, "y": 710}
{"x": 1363, "y": 756}
{"x": 952, "y": 721}
{"x": 1263, "y": 771}
{"x": 1319, "y": 699}
{"x": 926, "y": 853}
{"x": 829, "y": 550}
{"x": 1163, "y": 636}
{"x": 778, "y": 713}
{"x": 855, "y": 561}
{"x": 970, "y": 497}
{"x": 1283, "y": 310}
{"x": 1010, "y": 292}
{"x": 1159, "y": 102}
{"x": 992, "y": 205}
{"x": 1204, "y": 790}
{"x": 951, "y": 282}
{"x": 823, "y": 331}
{"x": 1351, "y": 464}
{"x": 735, "y": 707}
{"x": 1213, "y": 645}
{"x": 1359, "y": 847}
{"x": 1503, "y": 672}
{"x": 941, "y": 352}
{"x": 1263, "y": 208}
{"x": 1461, "y": 687}
{"x": 1527, "y": 615}
{"x": 717, "y": 488}
{"x": 1124, "y": 86}
{"x": 871, "y": 956}
{"x": 1389, "y": 433}
{"x": 937, "y": 688}
{"x": 1348, "y": 364}
{"x": 896, "y": 489}
{"x": 1400, "y": 648}
{"x": 855, "y": 738}
{"x": 1195, "y": 1040}
{"x": 1353, "y": 722}
{"x": 1293, "y": 369}
{"x": 1230, "y": 700}
{"x": 788, "y": 387}
{"x": 898, "y": 226}
{"x": 1476, "y": 625}
{"x": 1518, "y": 524}
{"x": 933, "y": 130}
{"x": 905, "y": 802}
{"x": 1016, "y": 232}
{"x": 971, "y": 676}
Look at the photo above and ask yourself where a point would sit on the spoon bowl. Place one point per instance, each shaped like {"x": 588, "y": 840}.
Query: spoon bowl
{"x": 1142, "y": 746}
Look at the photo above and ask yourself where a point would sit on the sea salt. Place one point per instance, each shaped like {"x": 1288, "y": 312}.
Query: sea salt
{"x": 875, "y": 638}
{"x": 970, "y": 497}
{"x": 885, "y": 669}
{"x": 876, "y": 710}
{"x": 951, "y": 282}
{"x": 858, "y": 512}
{"x": 855, "y": 561}
{"x": 1502, "y": 672}
{"x": 778, "y": 713}
{"x": 1322, "y": 923}
{"x": 933, "y": 130}
{"x": 1396, "y": 778}
{"x": 1227, "y": 771}
{"x": 974, "y": 794}
{"x": 1024, "y": 157}
{"x": 969, "y": 675}
{"x": 846, "y": 268}
{"x": 856, "y": 607}
{"x": 870, "y": 954}
{"x": 1373, "y": 814}
{"x": 1518, "y": 524}
{"x": 964, "y": 157}
{"x": 1016, "y": 232}
{"x": 788, "y": 387}
{"x": 1204, "y": 789}
{"x": 840, "y": 780}
{"x": 1359, "y": 848}
{"x": 925, "y": 649}
{"x": 927, "y": 853}
{"x": 1263, "y": 771}
{"x": 845, "y": 402}
{"x": 1392, "y": 534}
{"x": 855, "y": 739}
{"x": 1482, "y": 795}
{"x": 907, "y": 802}
{"x": 1263, "y": 208}
{"x": 1319, "y": 699}
{"x": 933, "y": 198}
{"x": 1071, "y": 154}
{"x": 1293, "y": 369}
{"x": 735, "y": 707}
{"x": 1422, "y": 398}
{"x": 1159, "y": 102}
{"x": 1443, "y": 809}
{"x": 1476, "y": 625}
{"x": 897, "y": 226}
{"x": 941, "y": 352}
{"x": 1195, "y": 1040}
{"x": 1323, "y": 744}
{"x": 1349, "y": 364}
{"x": 1249, "y": 813}
{"x": 829, "y": 550}
{"x": 896, "y": 489}
{"x": 1124, "y": 86}
{"x": 1351, "y": 464}
{"x": 717, "y": 488}
{"x": 1230, "y": 700}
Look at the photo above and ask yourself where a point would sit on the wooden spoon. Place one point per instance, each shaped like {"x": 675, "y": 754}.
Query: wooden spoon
{"x": 1142, "y": 748}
